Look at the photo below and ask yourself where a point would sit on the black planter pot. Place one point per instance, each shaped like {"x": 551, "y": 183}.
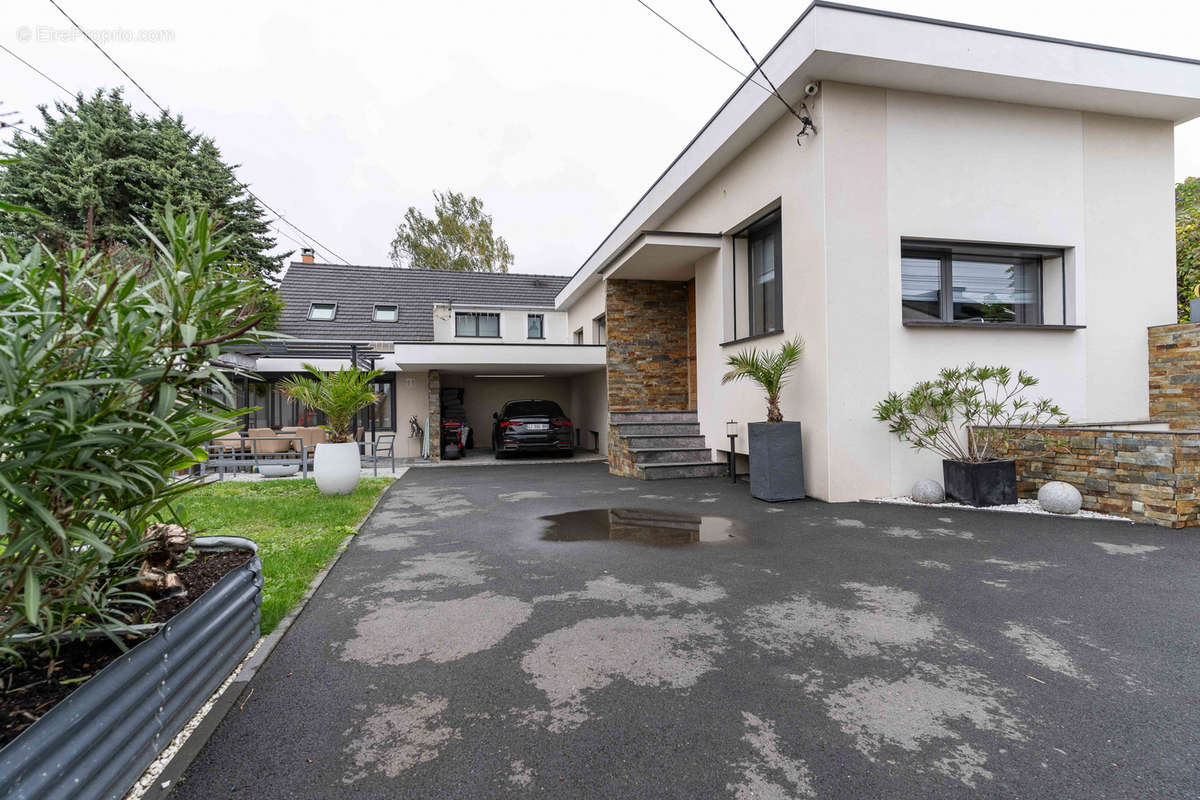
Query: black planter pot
{"x": 776, "y": 461}
{"x": 982, "y": 483}
{"x": 97, "y": 742}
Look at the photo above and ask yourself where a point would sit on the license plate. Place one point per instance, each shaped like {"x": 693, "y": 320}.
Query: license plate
{"x": 537, "y": 426}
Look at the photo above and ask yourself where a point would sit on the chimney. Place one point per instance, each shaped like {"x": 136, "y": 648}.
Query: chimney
{"x": 307, "y": 255}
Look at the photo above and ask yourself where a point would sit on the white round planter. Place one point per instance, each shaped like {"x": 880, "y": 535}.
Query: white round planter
{"x": 336, "y": 467}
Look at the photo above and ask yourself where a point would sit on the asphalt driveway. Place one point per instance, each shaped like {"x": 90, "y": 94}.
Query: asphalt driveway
{"x": 798, "y": 650}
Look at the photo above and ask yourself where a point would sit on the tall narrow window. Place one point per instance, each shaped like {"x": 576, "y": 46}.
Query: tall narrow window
{"x": 535, "y": 326}
{"x": 579, "y": 336}
{"x": 473, "y": 324}
{"x": 766, "y": 263}
{"x": 601, "y": 325}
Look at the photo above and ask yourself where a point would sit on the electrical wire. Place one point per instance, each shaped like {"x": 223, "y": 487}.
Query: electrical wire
{"x": 805, "y": 121}
{"x": 684, "y": 34}
{"x": 307, "y": 236}
{"x": 38, "y": 71}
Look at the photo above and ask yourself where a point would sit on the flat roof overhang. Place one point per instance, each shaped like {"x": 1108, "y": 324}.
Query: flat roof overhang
{"x": 844, "y": 43}
{"x": 663, "y": 256}
{"x": 490, "y": 359}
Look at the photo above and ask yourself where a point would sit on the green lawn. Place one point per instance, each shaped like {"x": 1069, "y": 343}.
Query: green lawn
{"x": 297, "y": 529}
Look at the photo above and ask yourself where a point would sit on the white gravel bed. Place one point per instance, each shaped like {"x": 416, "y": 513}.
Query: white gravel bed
{"x": 1020, "y": 507}
{"x": 156, "y": 767}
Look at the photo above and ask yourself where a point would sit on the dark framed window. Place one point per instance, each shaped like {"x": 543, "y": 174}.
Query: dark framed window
{"x": 386, "y": 314}
{"x": 600, "y": 328}
{"x": 764, "y": 249}
{"x": 323, "y": 312}
{"x": 535, "y": 326}
{"x": 579, "y": 336}
{"x": 972, "y": 284}
{"x": 477, "y": 324}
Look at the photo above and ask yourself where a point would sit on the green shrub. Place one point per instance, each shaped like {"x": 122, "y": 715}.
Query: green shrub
{"x": 107, "y": 389}
{"x": 967, "y": 413}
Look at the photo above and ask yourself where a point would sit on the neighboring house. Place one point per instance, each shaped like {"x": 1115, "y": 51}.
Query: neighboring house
{"x": 967, "y": 194}
{"x": 497, "y": 336}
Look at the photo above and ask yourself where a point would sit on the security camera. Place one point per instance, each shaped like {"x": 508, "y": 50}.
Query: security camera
{"x": 811, "y": 89}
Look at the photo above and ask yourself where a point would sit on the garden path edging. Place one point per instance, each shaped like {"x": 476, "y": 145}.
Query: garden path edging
{"x": 170, "y": 772}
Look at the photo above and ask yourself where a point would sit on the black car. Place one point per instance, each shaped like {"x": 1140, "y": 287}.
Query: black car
{"x": 529, "y": 426}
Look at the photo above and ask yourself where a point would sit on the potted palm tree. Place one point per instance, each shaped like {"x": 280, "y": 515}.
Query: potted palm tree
{"x": 776, "y": 451}
{"x": 339, "y": 396}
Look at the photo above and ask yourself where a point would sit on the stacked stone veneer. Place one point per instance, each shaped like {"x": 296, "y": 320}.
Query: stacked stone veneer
{"x": 646, "y": 326}
{"x": 620, "y": 458}
{"x": 1175, "y": 374}
{"x": 1148, "y": 476}
{"x": 435, "y": 415}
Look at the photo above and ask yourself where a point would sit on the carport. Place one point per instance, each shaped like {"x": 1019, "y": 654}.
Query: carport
{"x": 492, "y": 374}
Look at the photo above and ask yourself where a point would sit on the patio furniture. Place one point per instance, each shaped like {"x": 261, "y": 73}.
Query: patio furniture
{"x": 278, "y": 470}
{"x": 384, "y": 444}
{"x": 261, "y": 446}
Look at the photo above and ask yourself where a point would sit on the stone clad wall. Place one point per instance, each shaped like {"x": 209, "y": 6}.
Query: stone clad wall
{"x": 647, "y": 333}
{"x": 435, "y": 415}
{"x": 1175, "y": 374}
{"x": 1147, "y": 476}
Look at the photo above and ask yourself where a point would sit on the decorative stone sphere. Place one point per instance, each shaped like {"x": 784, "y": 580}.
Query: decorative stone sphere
{"x": 1060, "y": 498}
{"x": 928, "y": 491}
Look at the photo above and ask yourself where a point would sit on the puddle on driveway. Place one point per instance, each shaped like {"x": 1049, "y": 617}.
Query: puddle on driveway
{"x": 642, "y": 525}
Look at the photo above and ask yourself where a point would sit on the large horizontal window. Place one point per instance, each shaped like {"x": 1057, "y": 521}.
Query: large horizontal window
{"x": 977, "y": 284}
{"x": 467, "y": 323}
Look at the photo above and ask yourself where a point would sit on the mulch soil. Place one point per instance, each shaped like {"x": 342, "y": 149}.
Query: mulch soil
{"x": 29, "y": 690}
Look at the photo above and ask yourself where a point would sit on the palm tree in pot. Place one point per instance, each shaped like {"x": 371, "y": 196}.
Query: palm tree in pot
{"x": 339, "y": 396}
{"x": 776, "y": 451}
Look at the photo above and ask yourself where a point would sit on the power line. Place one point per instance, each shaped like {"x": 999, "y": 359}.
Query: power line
{"x": 684, "y": 34}
{"x": 38, "y": 71}
{"x": 312, "y": 239}
{"x": 804, "y": 120}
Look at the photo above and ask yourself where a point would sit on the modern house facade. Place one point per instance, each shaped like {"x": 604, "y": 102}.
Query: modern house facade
{"x": 961, "y": 194}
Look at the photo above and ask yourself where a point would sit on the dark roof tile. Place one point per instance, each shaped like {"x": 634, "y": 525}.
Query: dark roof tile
{"x": 357, "y": 290}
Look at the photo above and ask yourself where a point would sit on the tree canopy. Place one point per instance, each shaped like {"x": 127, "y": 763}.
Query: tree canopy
{"x": 94, "y": 166}
{"x": 459, "y": 237}
{"x": 1187, "y": 242}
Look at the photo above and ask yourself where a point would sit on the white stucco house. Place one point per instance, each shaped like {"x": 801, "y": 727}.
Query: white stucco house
{"x": 967, "y": 194}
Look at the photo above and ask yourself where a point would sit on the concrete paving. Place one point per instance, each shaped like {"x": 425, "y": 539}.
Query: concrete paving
{"x": 799, "y": 650}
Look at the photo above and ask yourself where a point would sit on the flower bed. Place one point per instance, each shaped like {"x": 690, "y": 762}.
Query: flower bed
{"x": 98, "y": 740}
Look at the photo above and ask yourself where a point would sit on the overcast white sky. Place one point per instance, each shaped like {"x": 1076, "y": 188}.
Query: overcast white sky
{"x": 557, "y": 114}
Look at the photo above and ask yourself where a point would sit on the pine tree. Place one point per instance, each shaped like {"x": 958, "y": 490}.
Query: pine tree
{"x": 94, "y": 166}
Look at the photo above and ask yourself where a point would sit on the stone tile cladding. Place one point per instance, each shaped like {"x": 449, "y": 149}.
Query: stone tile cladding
{"x": 647, "y": 345}
{"x": 620, "y": 459}
{"x": 1114, "y": 469}
{"x": 435, "y": 415}
{"x": 1175, "y": 374}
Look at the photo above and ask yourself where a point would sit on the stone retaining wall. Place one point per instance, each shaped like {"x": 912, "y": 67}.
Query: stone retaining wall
{"x": 1147, "y": 476}
{"x": 646, "y": 326}
{"x": 1175, "y": 374}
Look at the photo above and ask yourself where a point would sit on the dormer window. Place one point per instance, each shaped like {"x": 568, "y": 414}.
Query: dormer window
{"x": 386, "y": 313}
{"x": 323, "y": 312}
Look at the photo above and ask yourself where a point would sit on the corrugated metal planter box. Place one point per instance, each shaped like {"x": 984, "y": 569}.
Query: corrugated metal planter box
{"x": 97, "y": 742}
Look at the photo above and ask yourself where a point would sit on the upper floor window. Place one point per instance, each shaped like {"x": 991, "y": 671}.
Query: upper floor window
{"x": 535, "y": 326}
{"x": 386, "y": 313}
{"x": 600, "y": 326}
{"x": 322, "y": 311}
{"x": 477, "y": 324}
{"x": 579, "y": 336}
{"x": 983, "y": 284}
{"x": 764, "y": 248}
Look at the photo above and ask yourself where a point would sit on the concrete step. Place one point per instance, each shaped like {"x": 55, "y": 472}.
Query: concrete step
{"x": 695, "y": 469}
{"x": 653, "y": 442}
{"x": 619, "y": 417}
{"x": 670, "y": 455}
{"x": 658, "y": 429}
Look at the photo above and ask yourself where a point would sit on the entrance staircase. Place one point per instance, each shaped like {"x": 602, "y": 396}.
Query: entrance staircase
{"x": 654, "y": 445}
